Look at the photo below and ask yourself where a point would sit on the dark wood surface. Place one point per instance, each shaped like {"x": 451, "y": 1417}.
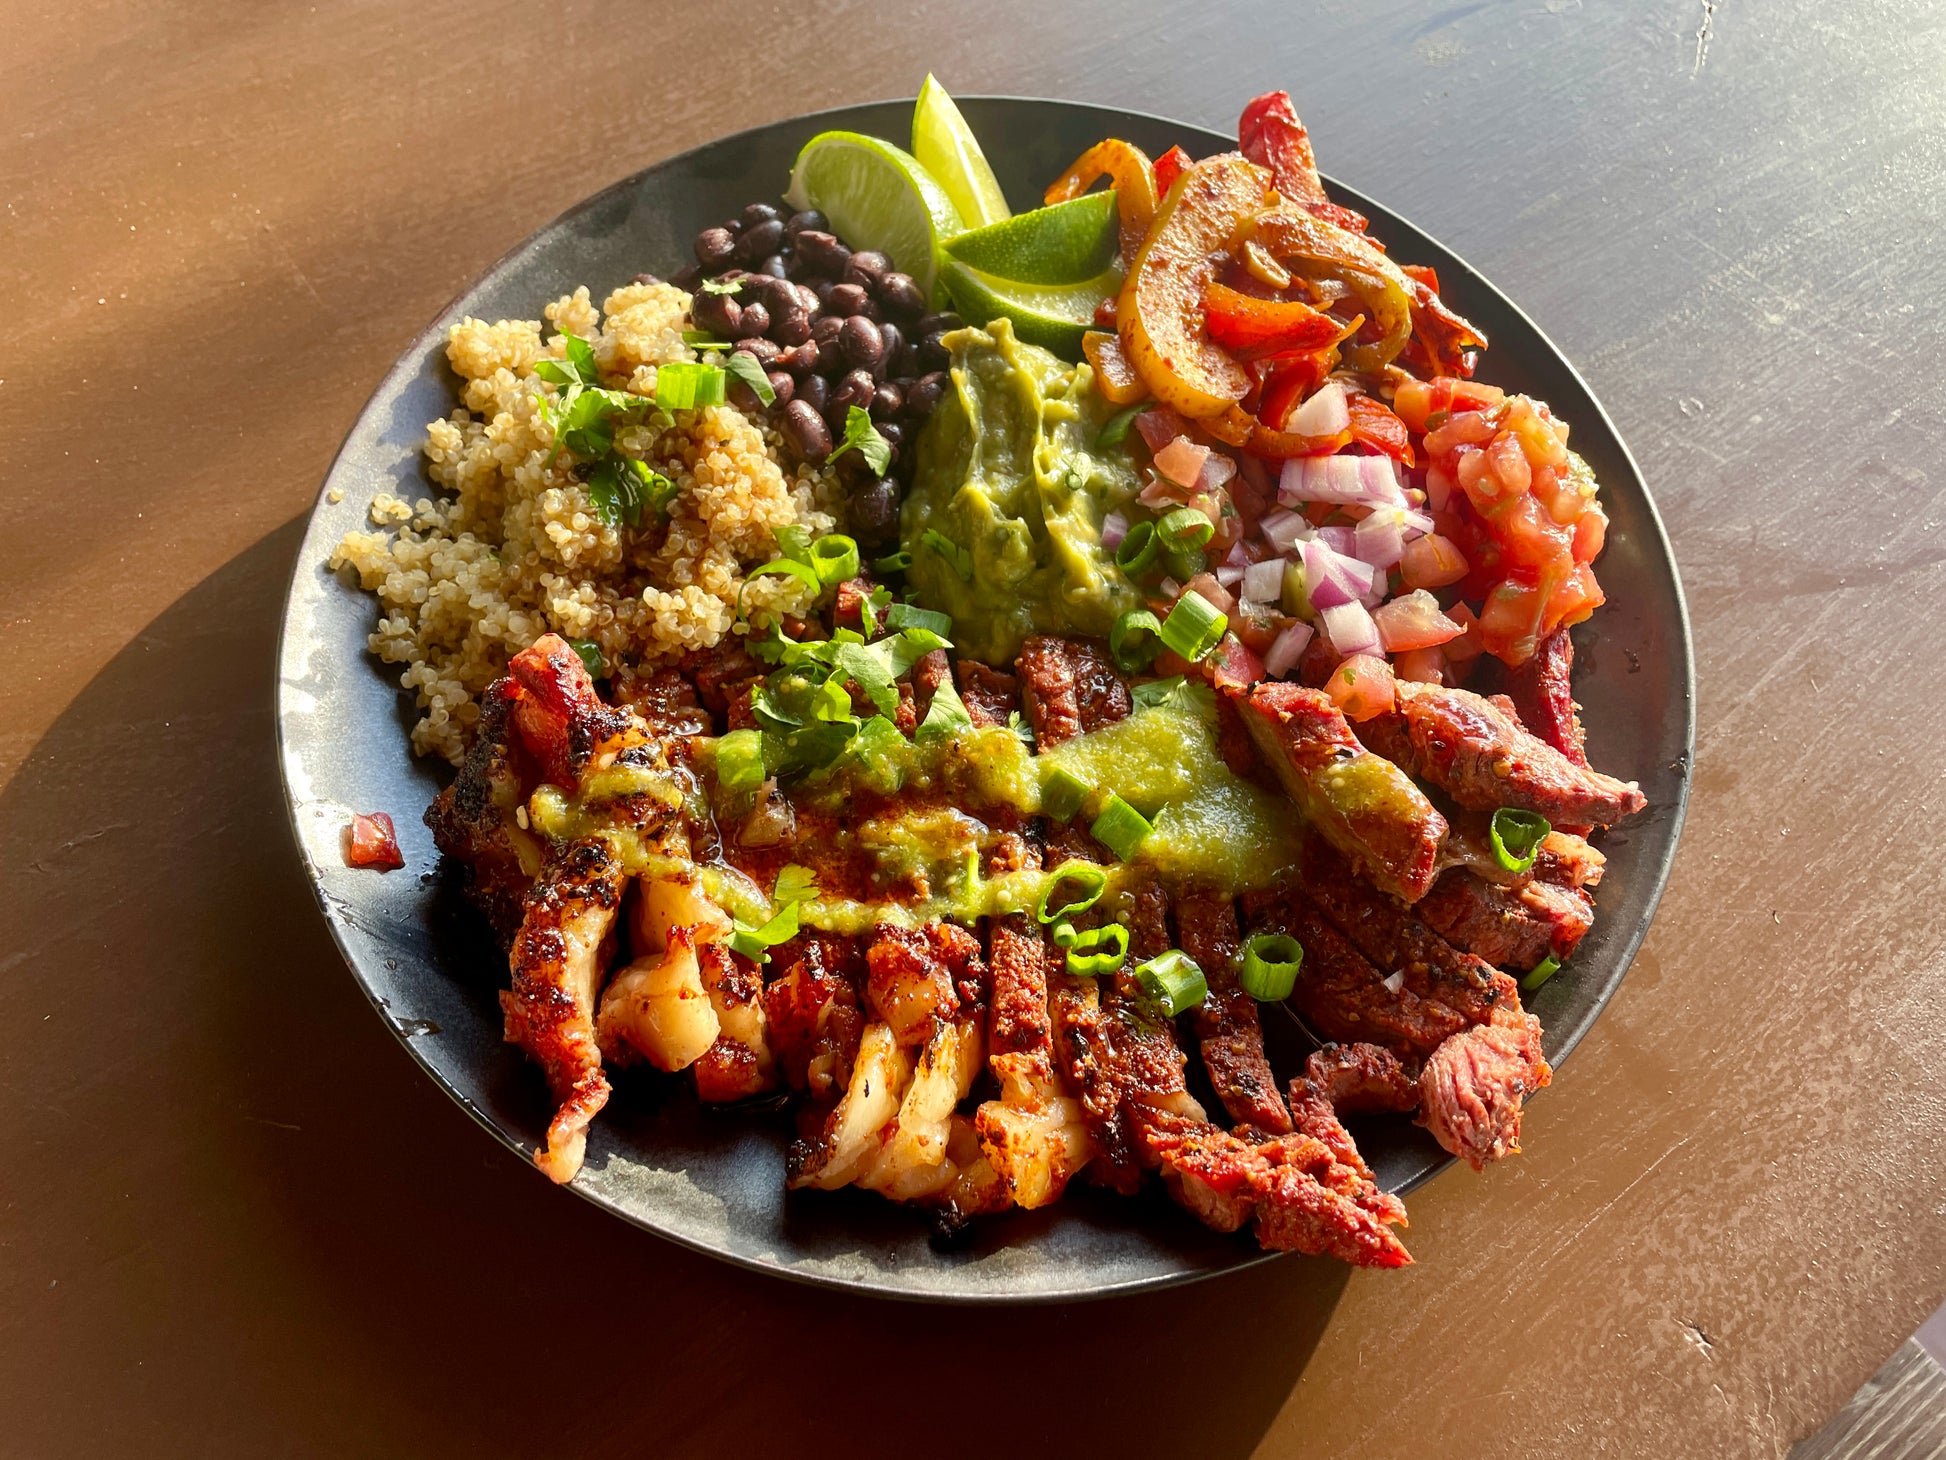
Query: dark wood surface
{"x": 234, "y": 1220}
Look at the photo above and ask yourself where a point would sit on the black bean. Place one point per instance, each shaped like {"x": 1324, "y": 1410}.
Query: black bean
{"x": 902, "y": 298}
{"x": 831, "y": 359}
{"x": 733, "y": 226}
{"x": 756, "y": 213}
{"x": 755, "y": 321}
{"x": 893, "y": 433}
{"x": 783, "y": 385}
{"x": 790, "y": 325}
{"x": 858, "y": 387}
{"x": 887, "y": 401}
{"x": 808, "y": 298}
{"x": 822, "y": 253}
{"x": 715, "y": 247}
{"x": 940, "y": 323}
{"x": 861, "y": 343}
{"x": 687, "y": 278}
{"x": 824, "y": 329}
{"x": 773, "y": 267}
{"x": 760, "y": 241}
{"x": 872, "y": 513}
{"x": 820, "y": 290}
{"x": 744, "y": 398}
{"x": 806, "y": 430}
{"x": 924, "y": 394}
{"x": 814, "y": 391}
{"x": 718, "y": 315}
{"x": 809, "y": 218}
{"x": 933, "y": 354}
{"x": 846, "y": 298}
{"x": 907, "y": 365}
{"x": 894, "y": 339}
{"x": 647, "y": 279}
{"x": 763, "y": 351}
{"x": 798, "y": 358}
{"x": 866, "y": 267}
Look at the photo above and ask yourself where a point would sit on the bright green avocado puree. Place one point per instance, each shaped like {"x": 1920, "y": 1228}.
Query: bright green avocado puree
{"x": 1006, "y": 471}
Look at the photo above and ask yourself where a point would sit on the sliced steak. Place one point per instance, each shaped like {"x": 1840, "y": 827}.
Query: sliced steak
{"x": 1227, "y": 1024}
{"x": 1543, "y": 696}
{"x": 991, "y": 695}
{"x": 1471, "y": 1090}
{"x": 1070, "y": 688}
{"x": 1515, "y": 927}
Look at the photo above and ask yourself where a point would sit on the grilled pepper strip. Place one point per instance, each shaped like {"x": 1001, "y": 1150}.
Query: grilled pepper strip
{"x": 1252, "y": 328}
{"x": 1160, "y": 312}
{"x": 1129, "y": 169}
{"x": 1321, "y": 250}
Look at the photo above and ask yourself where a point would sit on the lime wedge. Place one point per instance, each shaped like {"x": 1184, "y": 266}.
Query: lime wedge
{"x": 1053, "y": 316}
{"x": 876, "y": 196}
{"x": 1063, "y": 244}
{"x": 947, "y": 148}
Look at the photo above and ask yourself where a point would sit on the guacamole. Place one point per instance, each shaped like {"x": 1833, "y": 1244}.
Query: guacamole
{"x": 1007, "y": 476}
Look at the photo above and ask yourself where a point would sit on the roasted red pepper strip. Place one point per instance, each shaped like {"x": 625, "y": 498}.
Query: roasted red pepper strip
{"x": 1270, "y": 135}
{"x": 1168, "y": 167}
{"x": 1375, "y": 425}
{"x": 1288, "y": 383}
{"x": 371, "y": 841}
{"x": 1250, "y": 327}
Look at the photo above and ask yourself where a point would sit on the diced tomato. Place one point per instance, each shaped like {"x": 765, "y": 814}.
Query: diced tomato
{"x": 1531, "y": 539}
{"x": 1510, "y": 621}
{"x": 1413, "y": 621}
{"x": 1578, "y": 596}
{"x": 1377, "y": 427}
{"x": 1421, "y": 666}
{"x": 1168, "y": 167}
{"x": 1252, "y": 327}
{"x": 1362, "y": 687}
{"x": 1590, "y": 532}
{"x": 1182, "y": 461}
{"x": 1431, "y": 561}
{"x": 1468, "y": 646}
{"x": 1232, "y": 664}
{"x": 1258, "y": 631}
{"x": 370, "y": 841}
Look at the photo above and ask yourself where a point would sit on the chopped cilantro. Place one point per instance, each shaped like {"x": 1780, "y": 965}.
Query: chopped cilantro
{"x": 745, "y": 368}
{"x": 861, "y": 435}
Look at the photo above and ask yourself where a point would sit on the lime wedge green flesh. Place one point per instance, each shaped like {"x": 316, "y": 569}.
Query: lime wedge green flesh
{"x": 1053, "y": 316}
{"x": 1063, "y": 244}
{"x": 877, "y": 196}
{"x": 947, "y": 148}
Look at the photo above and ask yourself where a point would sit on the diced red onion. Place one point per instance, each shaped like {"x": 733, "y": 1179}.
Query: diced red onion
{"x": 1381, "y": 477}
{"x": 1170, "y": 589}
{"x": 1324, "y": 414}
{"x": 1330, "y": 578}
{"x": 1114, "y": 527}
{"x": 1346, "y": 481}
{"x": 1417, "y": 524}
{"x": 1284, "y": 530}
{"x": 1394, "y": 981}
{"x": 1238, "y": 556}
{"x": 1216, "y": 473}
{"x": 1282, "y": 656}
{"x": 1339, "y": 539}
{"x": 1159, "y": 426}
{"x": 1264, "y": 581}
{"x": 1380, "y": 538}
{"x": 1160, "y": 493}
{"x": 1229, "y": 576}
{"x": 1352, "y": 630}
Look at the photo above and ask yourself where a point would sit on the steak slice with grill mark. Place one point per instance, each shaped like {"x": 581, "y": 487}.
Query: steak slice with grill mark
{"x": 1515, "y": 927}
{"x": 990, "y": 695}
{"x": 1228, "y": 1027}
{"x": 1543, "y": 696}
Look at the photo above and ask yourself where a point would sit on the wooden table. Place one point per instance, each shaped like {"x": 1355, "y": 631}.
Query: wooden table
{"x": 235, "y": 1221}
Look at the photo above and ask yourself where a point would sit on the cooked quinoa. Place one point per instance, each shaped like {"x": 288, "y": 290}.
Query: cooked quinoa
{"x": 511, "y": 546}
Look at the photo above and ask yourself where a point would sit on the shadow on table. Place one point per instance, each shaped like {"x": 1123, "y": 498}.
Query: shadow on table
{"x": 260, "y": 1199}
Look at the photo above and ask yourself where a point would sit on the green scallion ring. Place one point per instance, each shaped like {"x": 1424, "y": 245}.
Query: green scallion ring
{"x": 1185, "y": 528}
{"x": 1098, "y": 951}
{"x": 1174, "y": 981}
{"x": 1134, "y": 640}
{"x": 1093, "y": 880}
{"x": 1121, "y": 828}
{"x": 896, "y": 562}
{"x": 1517, "y": 837}
{"x": 1064, "y": 934}
{"x": 1136, "y": 553}
{"x": 1194, "y": 627}
{"x": 835, "y": 557}
{"x": 1063, "y": 794}
{"x": 1270, "y": 965}
{"x": 1540, "y": 973}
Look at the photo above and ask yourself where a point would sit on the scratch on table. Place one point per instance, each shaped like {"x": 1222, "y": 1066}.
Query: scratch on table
{"x": 1608, "y": 1205}
{"x": 1703, "y": 33}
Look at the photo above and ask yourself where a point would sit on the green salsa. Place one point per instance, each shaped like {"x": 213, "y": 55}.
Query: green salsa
{"x": 1007, "y": 475}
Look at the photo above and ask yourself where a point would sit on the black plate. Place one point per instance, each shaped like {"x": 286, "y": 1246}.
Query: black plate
{"x": 713, "y": 1179}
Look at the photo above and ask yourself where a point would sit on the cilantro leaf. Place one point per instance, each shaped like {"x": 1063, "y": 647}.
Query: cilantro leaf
{"x": 722, "y": 286}
{"x": 794, "y": 884}
{"x": 947, "y": 717}
{"x": 556, "y": 373}
{"x": 794, "y": 542}
{"x": 961, "y": 558}
{"x": 745, "y": 368}
{"x": 581, "y": 359}
{"x": 861, "y": 435}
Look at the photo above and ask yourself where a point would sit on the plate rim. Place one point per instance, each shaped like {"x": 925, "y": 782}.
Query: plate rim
{"x": 403, "y": 366}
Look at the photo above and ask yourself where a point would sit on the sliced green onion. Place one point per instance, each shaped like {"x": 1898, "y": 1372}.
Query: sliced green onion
{"x": 901, "y": 616}
{"x": 1115, "y": 429}
{"x": 835, "y": 557}
{"x": 896, "y": 562}
{"x": 1184, "y": 528}
{"x": 1121, "y": 828}
{"x": 1270, "y": 965}
{"x": 682, "y": 386}
{"x": 1194, "y": 627}
{"x": 1173, "y": 981}
{"x": 1098, "y": 951}
{"x": 1092, "y": 879}
{"x": 1540, "y": 973}
{"x": 740, "y": 761}
{"x": 1182, "y": 564}
{"x": 1137, "y": 551}
{"x": 1063, "y": 793}
{"x": 1517, "y": 837}
{"x": 1064, "y": 933}
{"x": 703, "y": 340}
{"x": 1134, "y": 640}
{"x": 590, "y": 653}
{"x": 959, "y": 557}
